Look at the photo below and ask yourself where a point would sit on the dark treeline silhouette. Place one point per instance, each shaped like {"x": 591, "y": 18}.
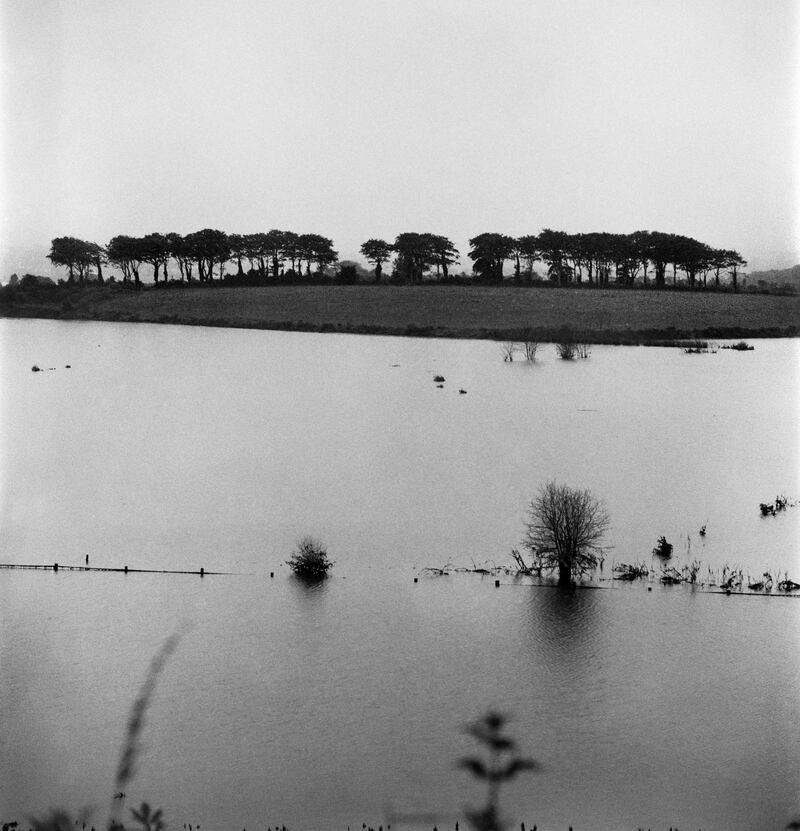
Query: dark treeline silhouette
{"x": 200, "y": 256}
{"x": 642, "y": 258}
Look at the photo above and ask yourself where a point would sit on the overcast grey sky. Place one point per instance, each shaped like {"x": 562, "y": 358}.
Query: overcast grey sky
{"x": 366, "y": 118}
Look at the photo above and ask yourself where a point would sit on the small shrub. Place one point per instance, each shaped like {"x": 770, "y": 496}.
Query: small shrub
{"x": 566, "y": 350}
{"x": 582, "y": 350}
{"x": 663, "y": 548}
{"x": 530, "y": 345}
{"x": 310, "y": 559}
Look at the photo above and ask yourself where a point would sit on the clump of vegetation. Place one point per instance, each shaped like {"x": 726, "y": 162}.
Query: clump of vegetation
{"x": 689, "y": 573}
{"x": 741, "y": 346}
{"x": 529, "y": 347}
{"x": 503, "y": 765}
{"x": 566, "y": 350}
{"x": 439, "y": 379}
{"x": 699, "y": 347}
{"x": 630, "y": 571}
{"x": 761, "y": 585}
{"x": 781, "y": 503}
{"x": 732, "y": 578}
{"x": 670, "y": 576}
{"x": 663, "y": 548}
{"x": 787, "y": 585}
{"x": 310, "y": 559}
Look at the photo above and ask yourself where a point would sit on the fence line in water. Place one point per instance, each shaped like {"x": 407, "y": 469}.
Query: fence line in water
{"x": 124, "y": 570}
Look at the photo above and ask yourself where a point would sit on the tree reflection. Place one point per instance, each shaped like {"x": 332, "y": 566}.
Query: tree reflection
{"x": 563, "y": 625}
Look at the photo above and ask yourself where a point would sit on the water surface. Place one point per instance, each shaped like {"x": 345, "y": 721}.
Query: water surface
{"x": 176, "y": 447}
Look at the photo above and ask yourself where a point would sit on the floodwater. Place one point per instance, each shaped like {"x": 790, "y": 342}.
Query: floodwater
{"x": 322, "y": 707}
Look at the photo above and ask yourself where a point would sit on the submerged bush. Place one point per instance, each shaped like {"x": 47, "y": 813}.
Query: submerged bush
{"x": 310, "y": 559}
{"x": 508, "y": 349}
{"x": 663, "y": 548}
{"x": 566, "y": 350}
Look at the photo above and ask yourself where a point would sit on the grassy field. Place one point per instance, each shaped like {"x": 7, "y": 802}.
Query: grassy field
{"x": 600, "y": 316}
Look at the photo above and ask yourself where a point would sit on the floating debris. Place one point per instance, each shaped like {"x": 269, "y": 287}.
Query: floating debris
{"x": 439, "y": 379}
{"x": 630, "y": 571}
{"x": 670, "y": 576}
{"x": 433, "y": 571}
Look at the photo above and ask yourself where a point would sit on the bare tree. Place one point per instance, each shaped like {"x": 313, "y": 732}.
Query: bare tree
{"x": 508, "y": 349}
{"x": 530, "y": 345}
{"x": 565, "y": 529}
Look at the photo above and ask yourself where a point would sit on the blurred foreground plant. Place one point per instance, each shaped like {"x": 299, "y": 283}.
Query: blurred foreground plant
{"x": 502, "y": 766}
{"x": 149, "y": 820}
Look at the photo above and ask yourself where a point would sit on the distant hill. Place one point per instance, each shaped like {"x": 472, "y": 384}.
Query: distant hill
{"x": 776, "y": 277}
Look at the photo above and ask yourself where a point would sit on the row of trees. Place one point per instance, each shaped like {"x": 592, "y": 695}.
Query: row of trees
{"x": 602, "y": 258}
{"x": 595, "y": 258}
{"x": 196, "y": 255}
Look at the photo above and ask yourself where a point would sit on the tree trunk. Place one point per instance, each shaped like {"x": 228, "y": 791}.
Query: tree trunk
{"x": 378, "y": 271}
{"x": 564, "y": 574}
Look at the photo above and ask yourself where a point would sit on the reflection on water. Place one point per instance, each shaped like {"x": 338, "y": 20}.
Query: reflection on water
{"x": 565, "y": 627}
{"x": 316, "y": 706}
{"x": 312, "y": 592}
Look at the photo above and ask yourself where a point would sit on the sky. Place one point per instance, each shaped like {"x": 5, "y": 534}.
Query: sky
{"x": 367, "y": 118}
